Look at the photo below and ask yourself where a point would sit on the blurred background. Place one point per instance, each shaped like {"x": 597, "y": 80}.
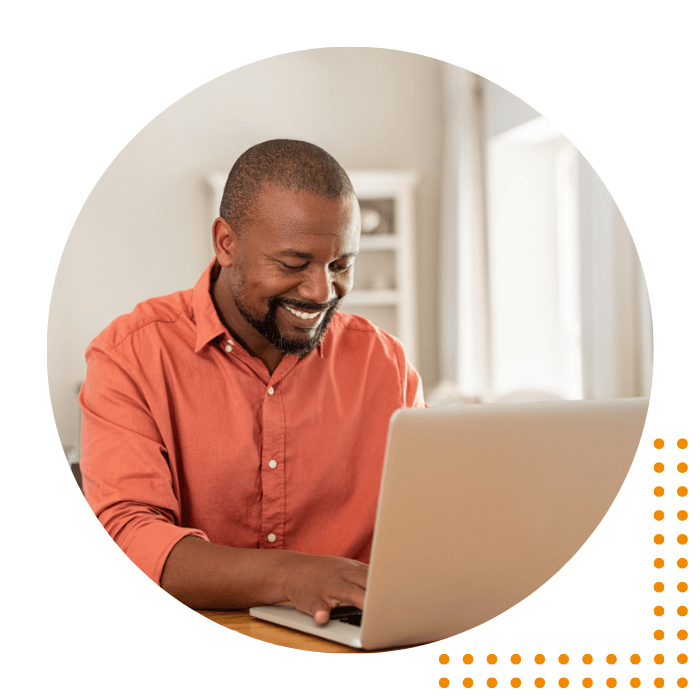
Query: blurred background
{"x": 490, "y": 247}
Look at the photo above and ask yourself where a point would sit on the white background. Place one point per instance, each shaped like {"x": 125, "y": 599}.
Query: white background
{"x": 81, "y": 79}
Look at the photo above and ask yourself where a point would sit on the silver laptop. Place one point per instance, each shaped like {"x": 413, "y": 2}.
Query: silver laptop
{"x": 479, "y": 506}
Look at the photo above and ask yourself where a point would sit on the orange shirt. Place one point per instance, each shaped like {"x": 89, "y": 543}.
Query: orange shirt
{"x": 185, "y": 433}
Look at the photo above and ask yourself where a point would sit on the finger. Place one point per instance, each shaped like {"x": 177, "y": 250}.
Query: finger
{"x": 322, "y": 615}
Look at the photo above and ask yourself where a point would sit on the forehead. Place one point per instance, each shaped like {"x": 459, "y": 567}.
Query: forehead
{"x": 289, "y": 218}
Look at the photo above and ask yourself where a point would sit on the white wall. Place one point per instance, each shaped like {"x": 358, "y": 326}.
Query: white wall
{"x": 145, "y": 229}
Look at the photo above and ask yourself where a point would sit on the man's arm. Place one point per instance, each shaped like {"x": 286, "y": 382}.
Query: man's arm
{"x": 204, "y": 575}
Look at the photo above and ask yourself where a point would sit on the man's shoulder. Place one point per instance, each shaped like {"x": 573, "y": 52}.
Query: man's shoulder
{"x": 348, "y": 331}
{"x": 148, "y": 315}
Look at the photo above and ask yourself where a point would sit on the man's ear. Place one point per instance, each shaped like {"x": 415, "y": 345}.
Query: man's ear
{"x": 225, "y": 242}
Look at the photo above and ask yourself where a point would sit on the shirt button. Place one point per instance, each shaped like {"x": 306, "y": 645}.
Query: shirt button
{"x": 271, "y": 537}
{"x": 272, "y": 464}
{"x": 271, "y": 391}
{"x": 229, "y": 348}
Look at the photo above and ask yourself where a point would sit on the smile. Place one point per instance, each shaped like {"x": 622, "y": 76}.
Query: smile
{"x": 302, "y": 314}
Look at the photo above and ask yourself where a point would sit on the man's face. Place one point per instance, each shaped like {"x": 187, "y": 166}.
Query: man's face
{"x": 291, "y": 266}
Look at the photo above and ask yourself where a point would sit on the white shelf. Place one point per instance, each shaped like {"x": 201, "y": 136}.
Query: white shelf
{"x": 372, "y": 297}
{"x": 383, "y": 241}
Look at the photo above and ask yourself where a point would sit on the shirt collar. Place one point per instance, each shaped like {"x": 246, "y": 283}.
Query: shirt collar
{"x": 206, "y": 319}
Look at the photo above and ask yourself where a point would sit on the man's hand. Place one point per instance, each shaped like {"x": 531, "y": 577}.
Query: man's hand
{"x": 210, "y": 576}
{"x": 317, "y": 584}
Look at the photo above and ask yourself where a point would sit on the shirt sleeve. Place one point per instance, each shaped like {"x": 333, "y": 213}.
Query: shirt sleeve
{"x": 127, "y": 478}
{"x": 412, "y": 385}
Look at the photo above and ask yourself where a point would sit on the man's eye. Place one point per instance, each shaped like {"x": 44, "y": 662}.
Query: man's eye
{"x": 293, "y": 267}
{"x": 341, "y": 268}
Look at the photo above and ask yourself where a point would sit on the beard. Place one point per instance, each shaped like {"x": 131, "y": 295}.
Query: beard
{"x": 267, "y": 325}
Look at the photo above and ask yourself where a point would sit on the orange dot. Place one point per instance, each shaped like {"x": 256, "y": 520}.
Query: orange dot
{"x": 659, "y": 659}
{"x": 658, "y": 611}
{"x": 682, "y": 635}
{"x": 444, "y": 682}
{"x": 587, "y": 682}
{"x": 658, "y": 586}
{"x": 491, "y": 658}
{"x": 539, "y": 659}
{"x": 539, "y": 682}
{"x": 659, "y": 563}
{"x": 682, "y": 659}
{"x": 563, "y": 659}
{"x": 444, "y": 659}
{"x": 563, "y": 682}
{"x": 467, "y": 682}
{"x": 515, "y": 682}
{"x": 467, "y": 658}
{"x": 658, "y": 443}
{"x": 659, "y": 491}
{"x": 635, "y": 658}
{"x": 658, "y": 539}
{"x": 635, "y": 682}
{"x": 682, "y": 563}
{"x": 682, "y": 515}
{"x": 611, "y": 658}
{"x": 658, "y": 515}
{"x": 682, "y": 443}
{"x": 682, "y": 586}
{"x": 515, "y": 659}
{"x": 587, "y": 659}
{"x": 682, "y": 467}
{"x": 659, "y": 635}
{"x": 682, "y": 683}
{"x": 682, "y": 491}
{"x": 491, "y": 682}
{"x": 682, "y": 539}
{"x": 682, "y": 611}
{"x": 611, "y": 682}
{"x": 659, "y": 682}
{"x": 658, "y": 467}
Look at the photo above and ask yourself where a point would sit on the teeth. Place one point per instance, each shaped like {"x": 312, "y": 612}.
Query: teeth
{"x": 302, "y": 314}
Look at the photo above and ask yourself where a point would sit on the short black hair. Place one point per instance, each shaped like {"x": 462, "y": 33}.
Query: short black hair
{"x": 294, "y": 165}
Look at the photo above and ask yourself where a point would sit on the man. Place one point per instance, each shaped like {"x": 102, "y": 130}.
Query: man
{"x": 234, "y": 434}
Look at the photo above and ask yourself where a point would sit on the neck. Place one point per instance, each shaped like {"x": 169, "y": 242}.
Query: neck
{"x": 241, "y": 331}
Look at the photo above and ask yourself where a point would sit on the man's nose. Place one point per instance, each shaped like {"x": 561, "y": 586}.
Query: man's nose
{"x": 317, "y": 286}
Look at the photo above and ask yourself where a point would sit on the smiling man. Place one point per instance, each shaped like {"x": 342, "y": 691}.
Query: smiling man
{"x": 234, "y": 433}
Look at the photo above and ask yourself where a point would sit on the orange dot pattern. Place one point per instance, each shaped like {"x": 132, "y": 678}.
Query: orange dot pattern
{"x": 611, "y": 659}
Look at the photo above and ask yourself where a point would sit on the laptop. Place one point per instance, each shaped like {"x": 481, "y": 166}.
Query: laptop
{"x": 478, "y": 507}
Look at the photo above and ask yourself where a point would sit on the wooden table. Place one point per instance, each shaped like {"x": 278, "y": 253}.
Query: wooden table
{"x": 242, "y": 621}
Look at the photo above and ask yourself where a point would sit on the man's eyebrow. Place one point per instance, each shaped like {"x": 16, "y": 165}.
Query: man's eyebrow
{"x": 291, "y": 253}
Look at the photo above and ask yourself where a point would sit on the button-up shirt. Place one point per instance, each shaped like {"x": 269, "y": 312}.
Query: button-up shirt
{"x": 185, "y": 433}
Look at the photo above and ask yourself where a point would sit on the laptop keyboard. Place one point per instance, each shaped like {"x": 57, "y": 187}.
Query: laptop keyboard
{"x": 349, "y": 614}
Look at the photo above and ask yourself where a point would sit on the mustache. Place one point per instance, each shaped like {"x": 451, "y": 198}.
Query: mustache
{"x": 304, "y": 305}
